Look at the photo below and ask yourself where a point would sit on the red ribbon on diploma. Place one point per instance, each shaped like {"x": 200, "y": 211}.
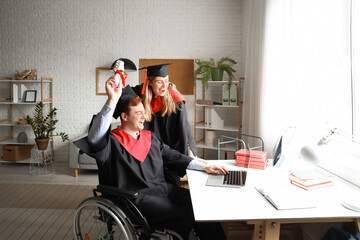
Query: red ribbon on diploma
{"x": 123, "y": 76}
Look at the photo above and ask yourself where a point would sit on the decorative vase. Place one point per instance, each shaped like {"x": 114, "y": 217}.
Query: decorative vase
{"x": 22, "y": 137}
{"x": 210, "y": 138}
{"x": 217, "y": 74}
{"x": 42, "y": 143}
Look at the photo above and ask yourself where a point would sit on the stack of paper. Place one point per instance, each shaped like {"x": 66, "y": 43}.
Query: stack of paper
{"x": 257, "y": 159}
{"x": 310, "y": 179}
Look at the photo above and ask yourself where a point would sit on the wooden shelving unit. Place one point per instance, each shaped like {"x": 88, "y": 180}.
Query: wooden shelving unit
{"x": 200, "y": 126}
{"x": 11, "y": 103}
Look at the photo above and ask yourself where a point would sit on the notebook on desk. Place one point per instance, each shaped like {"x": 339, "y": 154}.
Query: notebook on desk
{"x": 235, "y": 178}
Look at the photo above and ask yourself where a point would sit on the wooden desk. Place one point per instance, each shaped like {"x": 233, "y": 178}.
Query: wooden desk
{"x": 246, "y": 204}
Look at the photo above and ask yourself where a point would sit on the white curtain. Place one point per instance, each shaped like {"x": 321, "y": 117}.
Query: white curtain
{"x": 254, "y": 19}
{"x": 297, "y": 66}
{"x": 355, "y": 26}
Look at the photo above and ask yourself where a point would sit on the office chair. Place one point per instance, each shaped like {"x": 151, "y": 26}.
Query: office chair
{"x": 112, "y": 216}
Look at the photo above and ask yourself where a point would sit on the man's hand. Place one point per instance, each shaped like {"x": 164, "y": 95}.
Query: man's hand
{"x": 114, "y": 93}
{"x": 215, "y": 169}
{"x": 118, "y": 62}
{"x": 200, "y": 160}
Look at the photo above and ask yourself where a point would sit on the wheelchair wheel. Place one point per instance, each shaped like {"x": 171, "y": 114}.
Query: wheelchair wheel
{"x": 98, "y": 218}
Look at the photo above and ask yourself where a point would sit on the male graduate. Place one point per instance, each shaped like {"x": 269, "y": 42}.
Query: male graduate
{"x": 132, "y": 158}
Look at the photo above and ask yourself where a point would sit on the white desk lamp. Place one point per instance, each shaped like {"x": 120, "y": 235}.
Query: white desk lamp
{"x": 317, "y": 153}
{"x": 314, "y": 154}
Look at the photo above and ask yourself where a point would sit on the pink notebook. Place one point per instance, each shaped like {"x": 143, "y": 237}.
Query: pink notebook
{"x": 254, "y": 153}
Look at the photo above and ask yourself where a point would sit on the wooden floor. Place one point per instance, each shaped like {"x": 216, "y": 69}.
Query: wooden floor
{"x": 39, "y": 211}
{"x": 41, "y": 206}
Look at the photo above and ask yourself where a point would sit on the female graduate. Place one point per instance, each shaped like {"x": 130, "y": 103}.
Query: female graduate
{"x": 165, "y": 112}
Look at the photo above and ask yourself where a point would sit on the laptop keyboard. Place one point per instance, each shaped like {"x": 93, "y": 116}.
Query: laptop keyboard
{"x": 235, "y": 178}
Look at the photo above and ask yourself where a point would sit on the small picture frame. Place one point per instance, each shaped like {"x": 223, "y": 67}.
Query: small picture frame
{"x": 102, "y": 75}
{"x": 30, "y": 96}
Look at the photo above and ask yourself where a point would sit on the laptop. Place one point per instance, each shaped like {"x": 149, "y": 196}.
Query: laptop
{"x": 235, "y": 178}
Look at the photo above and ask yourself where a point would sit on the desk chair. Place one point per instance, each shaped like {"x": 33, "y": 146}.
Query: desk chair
{"x": 111, "y": 215}
{"x": 222, "y": 140}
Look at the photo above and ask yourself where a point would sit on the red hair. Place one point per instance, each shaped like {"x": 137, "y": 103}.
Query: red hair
{"x": 132, "y": 103}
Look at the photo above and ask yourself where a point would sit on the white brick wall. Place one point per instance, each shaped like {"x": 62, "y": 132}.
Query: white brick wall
{"x": 68, "y": 39}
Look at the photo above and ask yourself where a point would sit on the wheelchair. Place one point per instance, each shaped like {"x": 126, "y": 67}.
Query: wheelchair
{"x": 112, "y": 215}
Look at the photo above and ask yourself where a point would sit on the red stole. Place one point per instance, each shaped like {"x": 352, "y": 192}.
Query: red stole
{"x": 139, "y": 148}
{"x": 156, "y": 102}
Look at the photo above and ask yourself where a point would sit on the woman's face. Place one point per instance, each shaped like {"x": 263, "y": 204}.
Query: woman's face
{"x": 159, "y": 85}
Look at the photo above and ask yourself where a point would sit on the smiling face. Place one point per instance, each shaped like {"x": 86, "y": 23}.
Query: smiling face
{"x": 133, "y": 117}
{"x": 134, "y": 121}
{"x": 159, "y": 85}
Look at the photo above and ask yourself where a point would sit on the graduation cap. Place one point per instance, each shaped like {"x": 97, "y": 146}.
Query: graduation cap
{"x": 128, "y": 64}
{"x": 159, "y": 70}
{"x": 126, "y": 95}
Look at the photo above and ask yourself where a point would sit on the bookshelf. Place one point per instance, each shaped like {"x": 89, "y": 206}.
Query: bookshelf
{"x": 13, "y": 106}
{"x": 230, "y": 114}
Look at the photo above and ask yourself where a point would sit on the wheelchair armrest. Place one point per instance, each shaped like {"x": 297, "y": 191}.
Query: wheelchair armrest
{"x": 115, "y": 192}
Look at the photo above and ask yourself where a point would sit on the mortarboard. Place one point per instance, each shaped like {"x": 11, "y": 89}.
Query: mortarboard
{"x": 128, "y": 64}
{"x": 126, "y": 95}
{"x": 159, "y": 70}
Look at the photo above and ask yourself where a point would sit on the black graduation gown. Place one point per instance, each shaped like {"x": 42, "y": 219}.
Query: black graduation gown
{"x": 162, "y": 204}
{"x": 173, "y": 130}
{"x": 118, "y": 168}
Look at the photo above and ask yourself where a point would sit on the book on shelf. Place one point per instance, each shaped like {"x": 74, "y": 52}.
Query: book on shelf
{"x": 286, "y": 198}
{"x": 313, "y": 186}
{"x": 207, "y": 102}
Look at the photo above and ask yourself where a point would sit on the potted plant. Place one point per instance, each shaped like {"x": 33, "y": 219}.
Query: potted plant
{"x": 43, "y": 126}
{"x": 214, "y": 69}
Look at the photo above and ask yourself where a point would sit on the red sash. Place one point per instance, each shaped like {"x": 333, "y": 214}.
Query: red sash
{"x": 139, "y": 148}
{"x": 156, "y": 102}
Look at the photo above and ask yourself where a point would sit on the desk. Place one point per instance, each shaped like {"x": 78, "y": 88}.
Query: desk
{"x": 224, "y": 204}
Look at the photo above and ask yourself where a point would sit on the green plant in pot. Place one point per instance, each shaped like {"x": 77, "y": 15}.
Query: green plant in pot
{"x": 43, "y": 126}
{"x": 214, "y": 70}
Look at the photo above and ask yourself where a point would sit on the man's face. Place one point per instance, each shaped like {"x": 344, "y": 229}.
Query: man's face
{"x": 159, "y": 85}
{"x": 135, "y": 119}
